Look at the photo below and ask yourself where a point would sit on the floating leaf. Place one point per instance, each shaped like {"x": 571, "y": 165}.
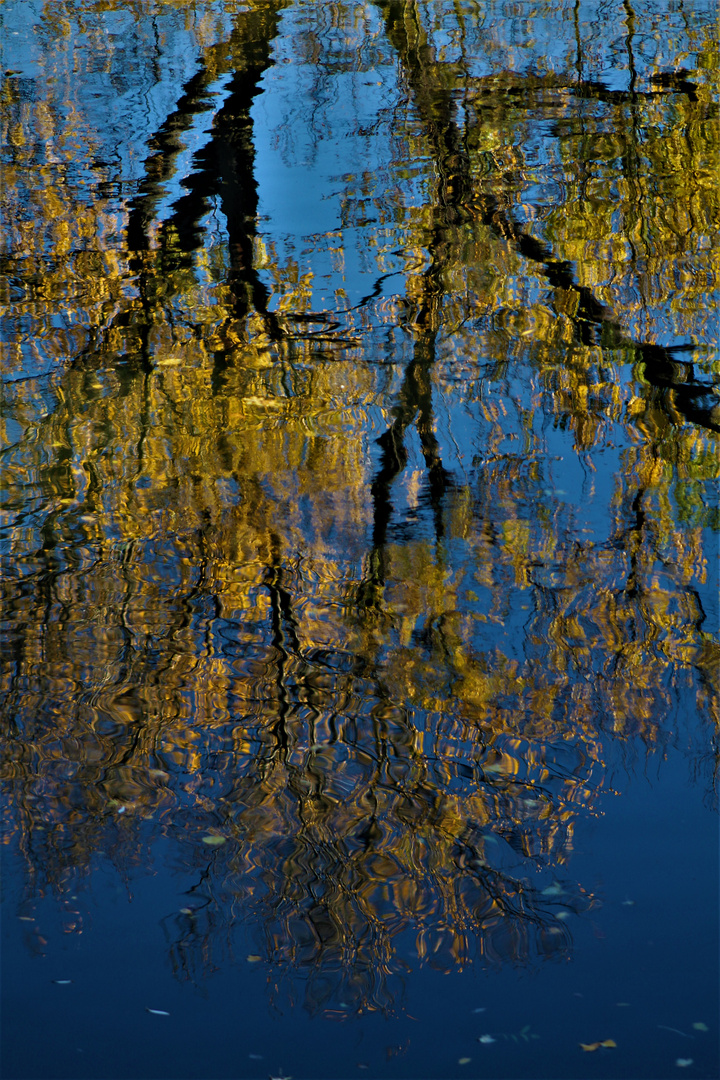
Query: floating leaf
{"x": 464, "y": 1061}
{"x": 684, "y": 1062}
{"x": 170, "y": 361}
{"x": 607, "y": 1043}
{"x": 699, "y": 1026}
{"x": 158, "y": 1012}
{"x": 589, "y": 1047}
{"x": 486, "y": 1039}
{"x": 214, "y": 841}
{"x": 253, "y": 958}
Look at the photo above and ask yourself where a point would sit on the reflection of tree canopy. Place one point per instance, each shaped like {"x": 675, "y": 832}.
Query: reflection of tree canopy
{"x": 247, "y": 586}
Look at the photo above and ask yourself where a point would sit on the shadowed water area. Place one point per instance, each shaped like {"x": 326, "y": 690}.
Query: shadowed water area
{"x": 359, "y": 656}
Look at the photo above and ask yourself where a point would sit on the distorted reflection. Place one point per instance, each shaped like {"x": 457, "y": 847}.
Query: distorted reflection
{"x": 361, "y": 422}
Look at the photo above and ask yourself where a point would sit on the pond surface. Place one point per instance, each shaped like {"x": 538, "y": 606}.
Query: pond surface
{"x": 360, "y": 664}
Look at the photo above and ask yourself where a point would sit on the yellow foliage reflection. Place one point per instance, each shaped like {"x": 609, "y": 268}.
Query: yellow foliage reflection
{"x": 297, "y": 571}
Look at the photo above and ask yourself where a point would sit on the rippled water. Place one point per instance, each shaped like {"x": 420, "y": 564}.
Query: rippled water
{"x": 359, "y": 555}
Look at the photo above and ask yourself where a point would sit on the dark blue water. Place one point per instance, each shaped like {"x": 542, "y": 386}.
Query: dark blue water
{"x": 642, "y": 971}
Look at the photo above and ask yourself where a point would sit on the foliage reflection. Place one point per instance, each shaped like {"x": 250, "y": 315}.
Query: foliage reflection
{"x": 345, "y": 559}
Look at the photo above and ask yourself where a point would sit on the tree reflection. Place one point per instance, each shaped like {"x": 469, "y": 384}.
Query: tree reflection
{"x": 386, "y": 677}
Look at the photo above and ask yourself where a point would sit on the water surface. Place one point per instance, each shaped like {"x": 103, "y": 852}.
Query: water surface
{"x": 359, "y": 518}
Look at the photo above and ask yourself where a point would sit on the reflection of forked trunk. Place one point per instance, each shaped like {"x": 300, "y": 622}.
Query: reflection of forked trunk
{"x": 223, "y": 169}
{"x": 433, "y": 97}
